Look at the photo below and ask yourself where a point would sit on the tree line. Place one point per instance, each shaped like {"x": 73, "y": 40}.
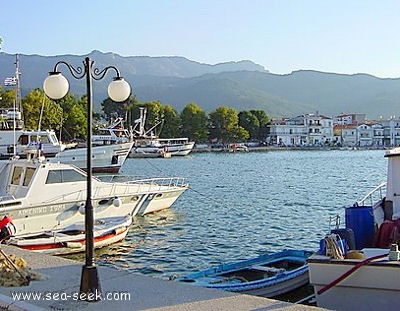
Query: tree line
{"x": 68, "y": 117}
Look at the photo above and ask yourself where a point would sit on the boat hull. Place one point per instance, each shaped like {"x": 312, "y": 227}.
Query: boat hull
{"x": 105, "y": 158}
{"x": 372, "y": 287}
{"x": 107, "y": 231}
{"x": 158, "y": 151}
{"x": 266, "y": 275}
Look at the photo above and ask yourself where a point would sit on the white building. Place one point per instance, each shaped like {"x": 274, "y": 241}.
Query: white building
{"x": 351, "y": 118}
{"x": 304, "y": 130}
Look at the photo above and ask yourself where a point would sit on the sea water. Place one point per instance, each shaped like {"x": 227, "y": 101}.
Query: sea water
{"x": 240, "y": 205}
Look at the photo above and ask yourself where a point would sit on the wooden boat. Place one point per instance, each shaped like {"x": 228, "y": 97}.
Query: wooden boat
{"x": 71, "y": 239}
{"x": 267, "y": 275}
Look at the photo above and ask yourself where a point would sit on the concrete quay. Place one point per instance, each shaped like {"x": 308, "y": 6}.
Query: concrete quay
{"x": 60, "y": 280}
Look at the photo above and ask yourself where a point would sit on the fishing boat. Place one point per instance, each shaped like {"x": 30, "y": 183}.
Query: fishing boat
{"x": 147, "y": 144}
{"x": 267, "y": 275}
{"x": 44, "y": 196}
{"x": 71, "y": 239}
{"x": 115, "y": 133}
{"x": 358, "y": 266}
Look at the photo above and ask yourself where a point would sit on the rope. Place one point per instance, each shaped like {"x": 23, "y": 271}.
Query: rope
{"x": 333, "y": 249}
{"x": 347, "y": 273}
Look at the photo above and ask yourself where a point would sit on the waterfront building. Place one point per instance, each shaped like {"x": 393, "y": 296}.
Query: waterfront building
{"x": 303, "y": 130}
{"x": 349, "y": 119}
{"x": 346, "y": 130}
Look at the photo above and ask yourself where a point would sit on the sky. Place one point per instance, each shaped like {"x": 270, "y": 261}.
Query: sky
{"x": 340, "y": 36}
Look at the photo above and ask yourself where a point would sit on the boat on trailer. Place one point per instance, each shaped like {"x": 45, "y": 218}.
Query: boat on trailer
{"x": 358, "y": 266}
{"x": 267, "y": 275}
{"x": 72, "y": 239}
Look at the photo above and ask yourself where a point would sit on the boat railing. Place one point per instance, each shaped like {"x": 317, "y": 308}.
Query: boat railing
{"x": 375, "y": 195}
{"x": 123, "y": 188}
{"x": 6, "y": 197}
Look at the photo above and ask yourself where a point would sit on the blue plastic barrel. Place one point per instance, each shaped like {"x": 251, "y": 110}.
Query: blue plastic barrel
{"x": 361, "y": 220}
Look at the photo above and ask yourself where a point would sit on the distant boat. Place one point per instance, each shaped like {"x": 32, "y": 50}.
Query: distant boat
{"x": 146, "y": 143}
{"x": 20, "y": 142}
{"x": 115, "y": 133}
{"x": 267, "y": 275}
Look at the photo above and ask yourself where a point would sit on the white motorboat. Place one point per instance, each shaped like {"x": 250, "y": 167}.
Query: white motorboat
{"x": 116, "y": 133}
{"x": 41, "y": 196}
{"x": 72, "y": 239}
{"x": 152, "y": 147}
{"x": 105, "y": 158}
{"x": 358, "y": 267}
{"x": 20, "y": 142}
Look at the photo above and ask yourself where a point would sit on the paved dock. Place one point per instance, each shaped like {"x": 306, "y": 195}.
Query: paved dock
{"x": 60, "y": 281}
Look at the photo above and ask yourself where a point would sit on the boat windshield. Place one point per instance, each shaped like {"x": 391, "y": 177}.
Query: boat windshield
{"x": 64, "y": 176}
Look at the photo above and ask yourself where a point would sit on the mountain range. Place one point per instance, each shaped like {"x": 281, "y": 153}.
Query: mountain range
{"x": 242, "y": 85}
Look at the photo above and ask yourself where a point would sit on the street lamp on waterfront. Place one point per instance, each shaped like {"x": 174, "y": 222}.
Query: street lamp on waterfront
{"x": 56, "y": 87}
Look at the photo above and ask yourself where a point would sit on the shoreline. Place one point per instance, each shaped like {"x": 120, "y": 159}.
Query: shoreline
{"x": 274, "y": 148}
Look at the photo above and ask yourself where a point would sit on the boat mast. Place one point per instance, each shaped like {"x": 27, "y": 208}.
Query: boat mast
{"x": 143, "y": 113}
{"x": 17, "y": 101}
{"x": 17, "y": 84}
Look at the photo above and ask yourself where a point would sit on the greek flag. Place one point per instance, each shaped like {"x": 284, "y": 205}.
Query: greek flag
{"x": 10, "y": 81}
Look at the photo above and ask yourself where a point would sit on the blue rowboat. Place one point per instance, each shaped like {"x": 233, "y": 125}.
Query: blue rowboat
{"x": 267, "y": 275}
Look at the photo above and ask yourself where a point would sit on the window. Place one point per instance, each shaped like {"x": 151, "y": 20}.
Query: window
{"x": 28, "y": 175}
{"x": 62, "y": 176}
{"x": 23, "y": 139}
{"x": 43, "y": 139}
{"x": 16, "y": 175}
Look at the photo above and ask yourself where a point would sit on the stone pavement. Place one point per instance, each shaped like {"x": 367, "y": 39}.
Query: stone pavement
{"x": 60, "y": 282}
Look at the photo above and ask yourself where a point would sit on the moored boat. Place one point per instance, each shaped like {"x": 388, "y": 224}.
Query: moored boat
{"x": 358, "y": 267}
{"x": 267, "y": 275}
{"x": 146, "y": 143}
{"x": 41, "y": 196}
{"x": 105, "y": 158}
{"x": 71, "y": 239}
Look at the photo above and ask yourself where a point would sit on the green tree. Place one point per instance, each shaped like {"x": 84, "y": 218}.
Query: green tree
{"x": 7, "y": 98}
{"x": 33, "y": 103}
{"x": 172, "y": 123}
{"x": 224, "y": 125}
{"x": 194, "y": 123}
{"x": 74, "y": 116}
{"x": 250, "y": 122}
{"x": 113, "y": 110}
{"x": 264, "y": 121}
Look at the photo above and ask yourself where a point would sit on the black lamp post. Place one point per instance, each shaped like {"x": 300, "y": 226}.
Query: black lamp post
{"x": 56, "y": 87}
